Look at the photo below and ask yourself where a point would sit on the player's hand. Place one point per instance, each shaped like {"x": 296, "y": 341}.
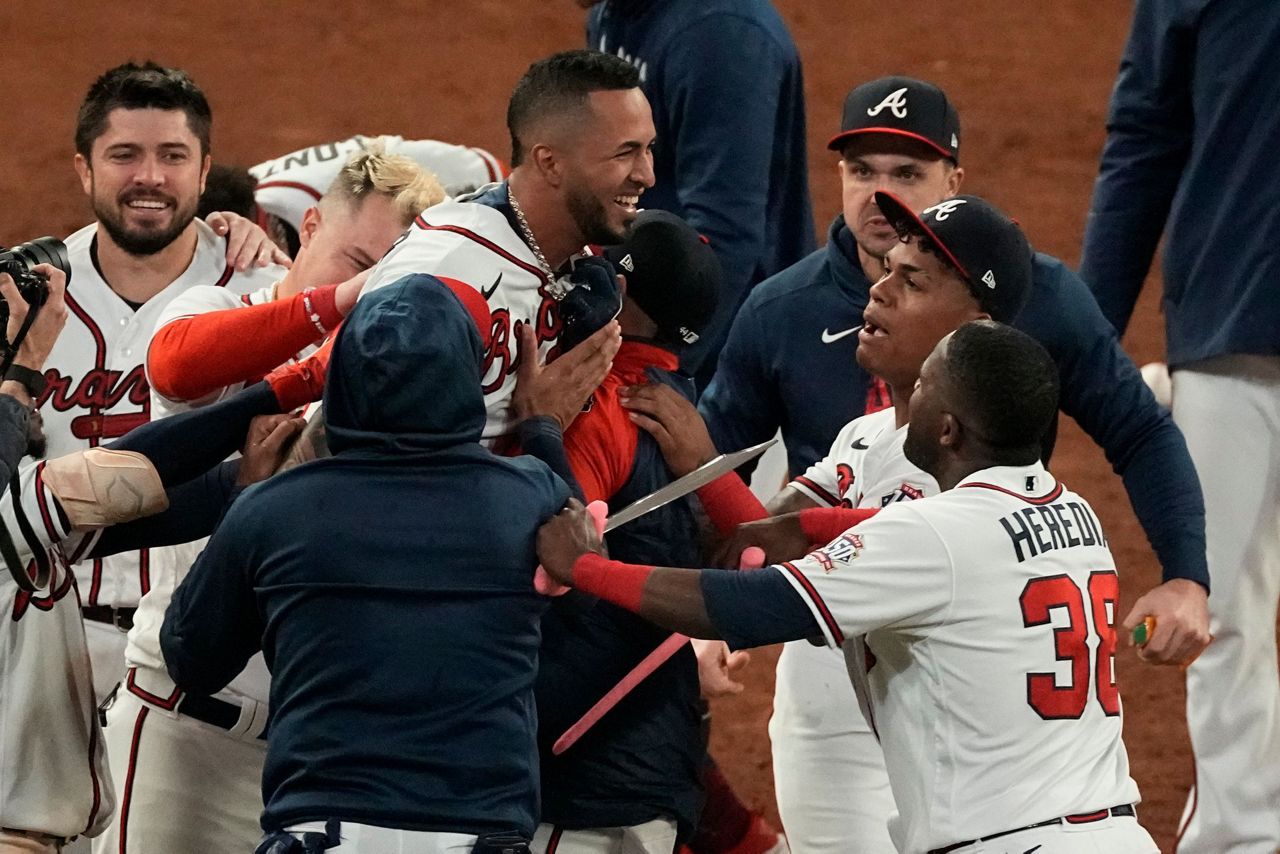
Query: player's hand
{"x": 564, "y": 538}
{"x": 349, "y": 291}
{"x": 674, "y": 424}
{"x": 247, "y": 244}
{"x": 1181, "y": 611}
{"x": 42, "y": 335}
{"x": 717, "y": 667}
{"x": 560, "y": 388}
{"x": 781, "y": 537}
{"x": 265, "y": 446}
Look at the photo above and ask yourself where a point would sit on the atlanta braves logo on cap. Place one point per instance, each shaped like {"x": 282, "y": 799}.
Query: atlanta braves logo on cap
{"x": 942, "y": 210}
{"x": 896, "y": 101}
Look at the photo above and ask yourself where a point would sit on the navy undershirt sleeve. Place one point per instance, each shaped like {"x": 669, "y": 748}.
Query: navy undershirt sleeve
{"x": 756, "y": 607}
{"x": 540, "y": 437}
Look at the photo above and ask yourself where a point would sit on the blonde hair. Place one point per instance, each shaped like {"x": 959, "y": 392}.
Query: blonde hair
{"x": 411, "y": 188}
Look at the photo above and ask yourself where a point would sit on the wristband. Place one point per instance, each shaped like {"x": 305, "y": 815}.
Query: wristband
{"x": 823, "y": 524}
{"x": 729, "y": 503}
{"x": 32, "y": 381}
{"x": 611, "y": 580}
{"x": 312, "y": 314}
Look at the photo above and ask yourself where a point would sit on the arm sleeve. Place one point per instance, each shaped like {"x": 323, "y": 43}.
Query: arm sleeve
{"x": 1104, "y": 392}
{"x": 194, "y": 510}
{"x": 742, "y": 405}
{"x": 193, "y": 356}
{"x": 211, "y": 627}
{"x": 1148, "y": 140}
{"x": 540, "y": 437}
{"x": 756, "y": 607}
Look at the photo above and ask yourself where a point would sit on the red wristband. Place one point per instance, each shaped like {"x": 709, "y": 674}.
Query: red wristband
{"x": 611, "y": 580}
{"x": 730, "y": 503}
{"x": 324, "y": 302}
{"x": 823, "y": 524}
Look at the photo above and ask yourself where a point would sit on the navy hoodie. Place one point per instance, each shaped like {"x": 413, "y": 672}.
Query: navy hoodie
{"x": 390, "y": 587}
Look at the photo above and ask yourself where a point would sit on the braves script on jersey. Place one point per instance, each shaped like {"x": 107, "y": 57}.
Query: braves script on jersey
{"x": 474, "y": 243}
{"x": 56, "y": 785}
{"x": 288, "y": 185}
{"x": 987, "y": 669}
{"x": 97, "y": 388}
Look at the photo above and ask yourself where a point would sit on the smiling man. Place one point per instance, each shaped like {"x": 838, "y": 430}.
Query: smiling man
{"x": 582, "y": 156}
{"x": 142, "y": 153}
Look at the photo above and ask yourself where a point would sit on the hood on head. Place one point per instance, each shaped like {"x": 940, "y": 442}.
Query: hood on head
{"x": 405, "y": 371}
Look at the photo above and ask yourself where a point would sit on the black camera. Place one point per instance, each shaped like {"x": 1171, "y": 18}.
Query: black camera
{"x": 20, "y": 263}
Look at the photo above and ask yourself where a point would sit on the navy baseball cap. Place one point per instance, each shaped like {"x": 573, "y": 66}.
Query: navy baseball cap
{"x": 901, "y": 106}
{"x": 978, "y": 240}
{"x": 672, "y": 274}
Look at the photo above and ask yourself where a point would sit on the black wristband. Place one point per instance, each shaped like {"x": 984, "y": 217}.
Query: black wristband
{"x": 33, "y": 381}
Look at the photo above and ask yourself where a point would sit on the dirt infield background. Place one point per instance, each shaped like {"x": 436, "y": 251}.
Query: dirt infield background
{"x": 1031, "y": 81}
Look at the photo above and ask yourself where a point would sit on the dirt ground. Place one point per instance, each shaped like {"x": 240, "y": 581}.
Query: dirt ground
{"x": 1031, "y": 81}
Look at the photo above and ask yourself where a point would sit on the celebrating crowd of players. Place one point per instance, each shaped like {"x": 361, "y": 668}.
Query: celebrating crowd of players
{"x": 429, "y": 362}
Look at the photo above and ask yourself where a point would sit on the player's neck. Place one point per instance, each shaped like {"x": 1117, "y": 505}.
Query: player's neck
{"x": 137, "y": 278}
{"x": 549, "y": 220}
{"x": 901, "y": 400}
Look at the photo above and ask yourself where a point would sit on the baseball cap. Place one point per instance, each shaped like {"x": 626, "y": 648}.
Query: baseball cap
{"x": 902, "y": 106}
{"x": 984, "y": 245}
{"x": 672, "y": 273}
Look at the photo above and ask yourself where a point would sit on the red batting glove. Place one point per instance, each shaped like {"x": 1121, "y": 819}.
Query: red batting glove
{"x": 299, "y": 383}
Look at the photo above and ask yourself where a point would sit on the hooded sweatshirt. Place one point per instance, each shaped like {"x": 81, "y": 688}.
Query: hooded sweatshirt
{"x": 390, "y": 588}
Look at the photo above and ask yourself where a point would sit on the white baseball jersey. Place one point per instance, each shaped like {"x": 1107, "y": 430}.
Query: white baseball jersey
{"x": 866, "y": 469}
{"x": 53, "y": 767}
{"x": 475, "y": 244}
{"x": 987, "y": 666}
{"x": 288, "y": 185}
{"x": 97, "y": 387}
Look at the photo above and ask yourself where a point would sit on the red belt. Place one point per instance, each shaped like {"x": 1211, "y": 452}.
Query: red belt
{"x": 1080, "y": 818}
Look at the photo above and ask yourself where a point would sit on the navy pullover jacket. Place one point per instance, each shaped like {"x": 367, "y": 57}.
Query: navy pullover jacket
{"x": 1191, "y": 153}
{"x": 724, "y": 80}
{"x": 390, "y": 587}
{"x": 789, "y": 365}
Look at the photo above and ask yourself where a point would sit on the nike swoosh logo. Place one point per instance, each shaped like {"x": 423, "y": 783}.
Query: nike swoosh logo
{"x": 1033, "y": 850}
{"x": 859, "y": 445}
{"x": 829, "y": 338}
{"x": 488, "y": 292}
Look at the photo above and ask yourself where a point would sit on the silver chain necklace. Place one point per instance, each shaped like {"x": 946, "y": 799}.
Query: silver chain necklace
{"x": 557, "y": 290}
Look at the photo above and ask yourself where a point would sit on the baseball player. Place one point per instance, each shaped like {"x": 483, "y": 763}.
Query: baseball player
{"x": 287, "y": 187}
{"x": 193, "y": 771}
{"x": 1185, "y": 157}
{"x": 53, "y": 775}
{"x": 956, "y": 614}
{"x": 142, "y": 139}
{"x": 923, "y": 295}
{"x": 583, "y": 136}
{"x": 801, "y": 328}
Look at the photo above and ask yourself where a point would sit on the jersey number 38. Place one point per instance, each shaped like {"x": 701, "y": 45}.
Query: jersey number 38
{"x": 1071, "y": 643}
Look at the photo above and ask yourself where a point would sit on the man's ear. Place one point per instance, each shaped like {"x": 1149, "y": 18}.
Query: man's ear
{"x": 204, "y": 170}
{"x": 310, "y": 222}
{"x": 85, "y": 171}
{"x": 952, "y": 432}
{"x": 954, "y": 180}
{"x": 548, "y": 162}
